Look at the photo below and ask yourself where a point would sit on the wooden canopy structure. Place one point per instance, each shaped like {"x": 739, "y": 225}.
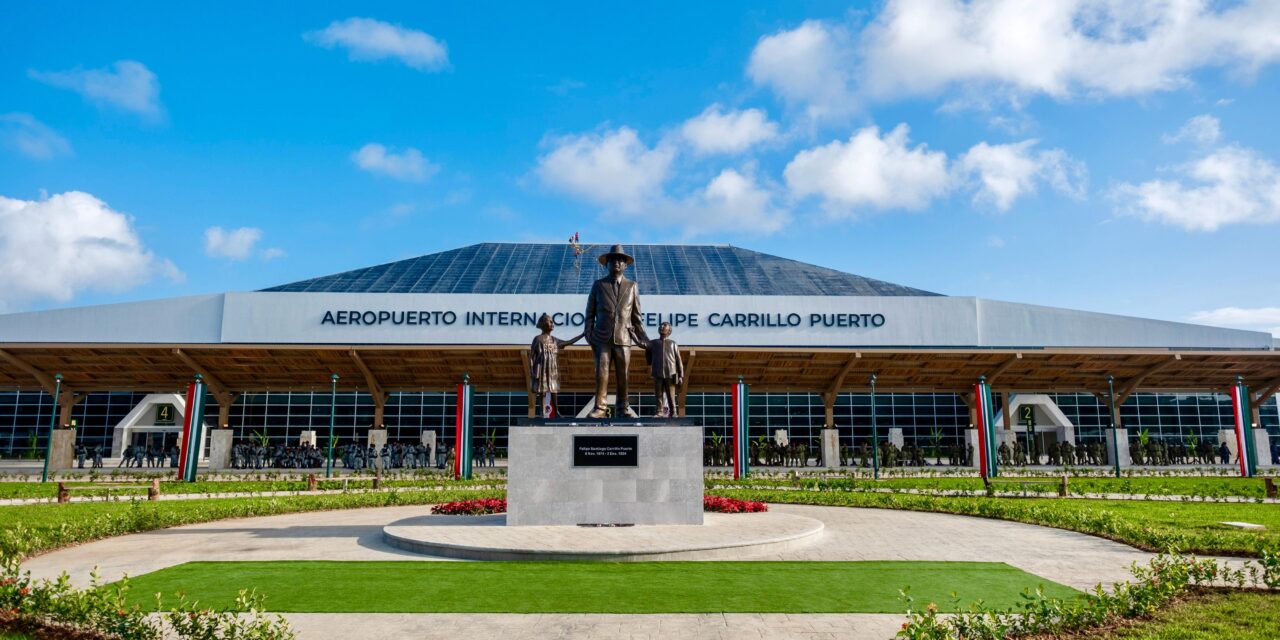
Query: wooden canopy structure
{"x": 231, "y": 369}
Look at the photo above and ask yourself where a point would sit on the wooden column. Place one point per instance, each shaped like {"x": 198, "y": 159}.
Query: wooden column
{"x": 67, "y": 401}
{"x": 684, "y": 384}
{"x": 1008, "y": 419}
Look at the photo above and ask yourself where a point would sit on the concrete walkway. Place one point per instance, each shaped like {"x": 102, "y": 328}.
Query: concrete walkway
{"x": 1070, "y": 558}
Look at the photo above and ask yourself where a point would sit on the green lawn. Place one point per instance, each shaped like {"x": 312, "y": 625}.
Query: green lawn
{"x": 589, "y": 587}
{"x": 1238, "y": 615}
{"x": 1158, "y": 526}
{"x": 125, "y": 487}
{"x": 1199, "y": 487}
{"x": 31, "y": 529}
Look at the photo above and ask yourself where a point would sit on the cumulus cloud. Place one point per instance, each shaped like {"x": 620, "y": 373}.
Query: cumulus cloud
{"x": 1202, "y": 129}
{"x": 126, "y": 85}
{"x": 369, "y": 39}
{"x": 408, "y": 165}
{"x": 59, "y": 246}
{"x": 732, "y": 201}
{"x": 31, "y": 137}
{"x": 233, "y": 244}
{"x": 613, "y": 168}
{"x": 1257, "y": 319}
{"x": 1229, "y": 185}
{"x": 810, "y": 67}
{"x": 1006, "y": 172}
{"x": 1063, "y": 47}
{"x": 1012, "y": 49}
{"x": 718, "y": 131}
{"x": 870, "y": 171}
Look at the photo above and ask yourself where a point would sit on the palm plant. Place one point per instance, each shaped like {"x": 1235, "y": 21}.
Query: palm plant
{"x": 260, "y": 437}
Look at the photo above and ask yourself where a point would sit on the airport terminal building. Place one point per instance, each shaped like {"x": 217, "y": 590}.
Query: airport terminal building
{"x": 401, "y": 336}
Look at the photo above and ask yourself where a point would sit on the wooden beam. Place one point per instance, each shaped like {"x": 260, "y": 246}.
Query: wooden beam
{"x": 1004, "y": 366}
{"x": 684, "y": 384}
{"x": 1131, "y": 385}
{"x": 214, "y": 383}
{"x": 41, "y": 377}
{"x": 1268, "y": 390}
{"x": 375, "y": 389}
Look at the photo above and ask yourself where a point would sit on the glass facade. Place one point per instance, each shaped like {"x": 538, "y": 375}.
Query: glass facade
{"x": 282, "y": 417}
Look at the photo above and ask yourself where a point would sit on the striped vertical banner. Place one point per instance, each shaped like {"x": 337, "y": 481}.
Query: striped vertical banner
{"x": 986, "y": 434}
{"x": 1244, "y": 432}
{"x": 192, "y": 430}
{"x": 741, "y": 445}
{"x": 462, "y": 433}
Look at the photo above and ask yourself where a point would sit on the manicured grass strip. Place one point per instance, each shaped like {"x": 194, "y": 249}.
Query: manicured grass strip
{"x": 31, "y": 529}
{"x": 1191, "y": 527}
{"x": 1212, "y": 615}
{"x": 592, "y": 587}
{"x": 126, "y": 487}
{"x": 1200, "y": 488}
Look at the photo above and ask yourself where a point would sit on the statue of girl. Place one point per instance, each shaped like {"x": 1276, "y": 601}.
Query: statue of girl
{"x": 544, "y": 368}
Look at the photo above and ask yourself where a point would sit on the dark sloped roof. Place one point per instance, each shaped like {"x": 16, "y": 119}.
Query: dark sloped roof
{"x": 552, "y": 268}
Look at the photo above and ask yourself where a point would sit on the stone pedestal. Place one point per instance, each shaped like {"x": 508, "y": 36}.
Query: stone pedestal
{"x": 549, "y": 482}
{"x": 220, "y": 449}
{"x": 429, "y": 441}
{"x": 1121, "y": 436}
{"x": 63, "y": 454}
{"x": 896, "y": 439}
{"x": 971, "y": 447}
{"x": 830, "y": 448}
{"x": 1262, "y": 444}
{"x": 308, "y": 438}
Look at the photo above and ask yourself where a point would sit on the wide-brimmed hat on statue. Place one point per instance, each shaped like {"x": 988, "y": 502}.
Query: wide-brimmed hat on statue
{"x": 616, "y": 252}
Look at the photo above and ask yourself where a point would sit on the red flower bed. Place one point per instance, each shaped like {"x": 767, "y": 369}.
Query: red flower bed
{"x": 471, "y": 507}
{"x": 732, "y": 505}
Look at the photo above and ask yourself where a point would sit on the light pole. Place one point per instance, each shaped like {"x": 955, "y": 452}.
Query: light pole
{"x": 333, "y": 404}
{"x": 1115, "y": 432}
{"x": 53, "y": 424}
{"x": 875, "y": 433}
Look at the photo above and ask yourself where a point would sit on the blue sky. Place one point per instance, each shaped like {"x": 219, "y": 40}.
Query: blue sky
{"x": 1102, "y": 155}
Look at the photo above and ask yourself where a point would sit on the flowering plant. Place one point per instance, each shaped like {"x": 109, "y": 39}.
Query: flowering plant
{"x": 718, "y": 504}
{"x": 471, "y": 507}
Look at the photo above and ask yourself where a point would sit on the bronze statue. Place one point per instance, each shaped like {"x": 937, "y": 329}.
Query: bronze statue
{"x": 544, "y": 366}
{"x": 613, "y": 324}
{"x": 663, "y": 355}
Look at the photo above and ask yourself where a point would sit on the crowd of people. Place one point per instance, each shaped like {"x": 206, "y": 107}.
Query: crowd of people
{"x": 138, "y": 455}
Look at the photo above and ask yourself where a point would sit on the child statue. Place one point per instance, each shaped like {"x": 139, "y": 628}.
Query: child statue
{"x": 544, "y": 368}
{"x": 663, "y": 356}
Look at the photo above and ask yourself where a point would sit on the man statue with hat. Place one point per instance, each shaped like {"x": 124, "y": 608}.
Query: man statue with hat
{"x": 613, "y": 324}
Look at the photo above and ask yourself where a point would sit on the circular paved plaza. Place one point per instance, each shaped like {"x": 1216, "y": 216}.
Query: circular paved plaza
{"x": 1073, "y": 559}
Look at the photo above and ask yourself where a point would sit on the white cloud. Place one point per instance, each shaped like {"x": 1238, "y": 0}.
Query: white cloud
{"x": 126, "y": 85}
{"x": 731, "y": 202}
{"x": 271, "y": 253}
{"x": 233, "y": 244}
{"x": 870, "y": 171}
{"x": 31, "y": 137}
{"x": 717, "y": 131}
{"x": 369, "y": 39}
{"x": 1203, "y": 130}
{"x": 613, "y": 168}
{"x": 1006, "y": 172}
{"x": 1258, "y": 319}
{"x": 408, "y": 165}
{"x": 995, "y": 242}
{"x": 1063, "y": 47}
{"x": 809, "y": 67}
{"x": 59, "y": 246}
{"x": 1230, "y": 185}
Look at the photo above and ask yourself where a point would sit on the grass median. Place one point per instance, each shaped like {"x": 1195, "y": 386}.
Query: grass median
{"x": 31, "y": 529}
{"x": 1191, "y": 527}
{"x": 1205, "y": 615}
{"x": 594, "y": 587}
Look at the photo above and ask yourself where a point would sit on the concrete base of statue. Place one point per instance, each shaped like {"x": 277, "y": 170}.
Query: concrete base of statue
{"x": 830, "y": 448}
{"x": 220, "y": 441}
{"x": 308, "y": 438}
{"x": 1121, "y": 437}
{"x": 63, "y": 454}
{"x": 971, "y": 446}
{"x": 896, "y": 438}
{"x": 1262, "y": 444}
{"x": 429, "y": 441}
{"x": 604, "y": 475}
